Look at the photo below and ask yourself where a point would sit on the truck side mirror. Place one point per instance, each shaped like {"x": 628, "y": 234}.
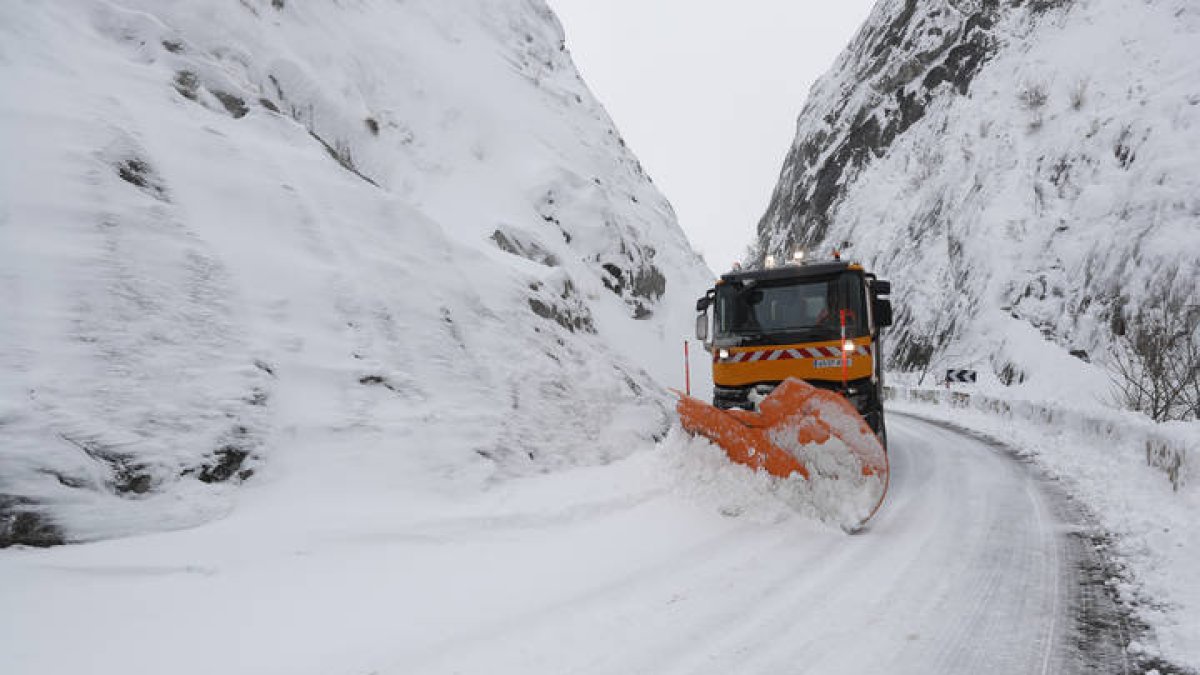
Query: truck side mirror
{"x": 702, "y": 327}
{"x": 703, "y": 303}
{"x": 883, "y": 312}
{"x": 881, "y": 287}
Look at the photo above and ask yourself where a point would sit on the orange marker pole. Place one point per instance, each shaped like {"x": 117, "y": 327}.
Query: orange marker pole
{"x": 845, "y": 357}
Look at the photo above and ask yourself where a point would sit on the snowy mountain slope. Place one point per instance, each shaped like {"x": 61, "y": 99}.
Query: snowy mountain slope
{"x": 233, "y": 232}
{"x": 1027, "y": 173}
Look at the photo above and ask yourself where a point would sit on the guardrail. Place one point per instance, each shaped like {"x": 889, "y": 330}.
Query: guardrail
{"x": 1169, "y": 447}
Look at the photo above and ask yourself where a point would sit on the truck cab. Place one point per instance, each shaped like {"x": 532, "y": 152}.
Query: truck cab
{"x": 820, "y": 322}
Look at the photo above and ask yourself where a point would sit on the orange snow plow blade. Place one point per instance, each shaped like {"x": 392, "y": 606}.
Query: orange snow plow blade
{"x": 798, "y": 429}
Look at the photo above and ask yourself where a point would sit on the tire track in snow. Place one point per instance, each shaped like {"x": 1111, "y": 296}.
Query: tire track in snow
{"x": 961, "y": 572}
{"x": 1089, "y": 626}
{"x": 998, "y": 598}
{"x": 998, "y": 590}
{"x": 655, "y": 586}
{"x": 966, "y": 587}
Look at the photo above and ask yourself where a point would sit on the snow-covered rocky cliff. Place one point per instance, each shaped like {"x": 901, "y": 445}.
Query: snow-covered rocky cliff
{"x": 1027, "y": 173}
{"x": 393, "y": 243}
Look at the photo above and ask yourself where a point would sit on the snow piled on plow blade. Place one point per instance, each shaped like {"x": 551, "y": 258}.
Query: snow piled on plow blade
{"x": 827, "y": 459}
{"x": 838, "y": 489}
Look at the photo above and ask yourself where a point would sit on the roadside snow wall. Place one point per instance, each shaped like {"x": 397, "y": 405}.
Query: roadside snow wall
{"x": 1169, "y": 447}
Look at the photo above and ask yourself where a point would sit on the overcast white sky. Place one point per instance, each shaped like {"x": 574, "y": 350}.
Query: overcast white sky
{"x": 706, "y": 93}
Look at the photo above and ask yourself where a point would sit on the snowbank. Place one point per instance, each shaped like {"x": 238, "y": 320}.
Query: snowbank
{"x": 1169, "y": 447}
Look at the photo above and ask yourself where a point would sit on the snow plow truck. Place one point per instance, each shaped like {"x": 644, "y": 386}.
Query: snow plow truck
{"x": 797, "y": 377}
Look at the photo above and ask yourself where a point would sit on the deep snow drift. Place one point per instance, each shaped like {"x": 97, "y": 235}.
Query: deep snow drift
{"x": 400, "y": 235}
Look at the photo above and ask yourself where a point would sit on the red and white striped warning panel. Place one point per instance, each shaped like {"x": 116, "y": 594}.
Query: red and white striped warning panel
{"x": 785, "y": 354}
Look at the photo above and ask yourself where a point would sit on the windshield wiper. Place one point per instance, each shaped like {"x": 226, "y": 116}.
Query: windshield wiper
{"x": 781, "y": 336}
{"x": 822, "y": 332}
{"x": 749, "y": 338}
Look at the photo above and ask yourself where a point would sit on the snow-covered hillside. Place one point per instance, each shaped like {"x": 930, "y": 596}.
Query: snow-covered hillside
{"x": 1027, "y": 173}
{"x": 397, "y": 244}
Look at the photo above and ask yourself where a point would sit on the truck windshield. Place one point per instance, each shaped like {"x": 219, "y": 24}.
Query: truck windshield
{"x": 793, "y": 310}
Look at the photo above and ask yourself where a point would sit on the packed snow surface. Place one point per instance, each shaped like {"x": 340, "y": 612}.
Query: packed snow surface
{"x": 672, "y": 560}
{"x": 1100, "y": 457}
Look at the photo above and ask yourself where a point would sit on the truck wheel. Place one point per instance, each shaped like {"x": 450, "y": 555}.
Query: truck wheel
{"x": 875, "y": 421}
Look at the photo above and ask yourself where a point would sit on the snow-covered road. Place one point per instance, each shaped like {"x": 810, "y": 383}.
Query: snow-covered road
{"x": 667, "y": 562}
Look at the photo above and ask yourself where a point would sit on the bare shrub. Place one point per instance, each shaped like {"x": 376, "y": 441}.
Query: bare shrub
{"x": 1191, "y": 378}
{"x": 1034, "y": 98}
{"x": 1155, "y": 363}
